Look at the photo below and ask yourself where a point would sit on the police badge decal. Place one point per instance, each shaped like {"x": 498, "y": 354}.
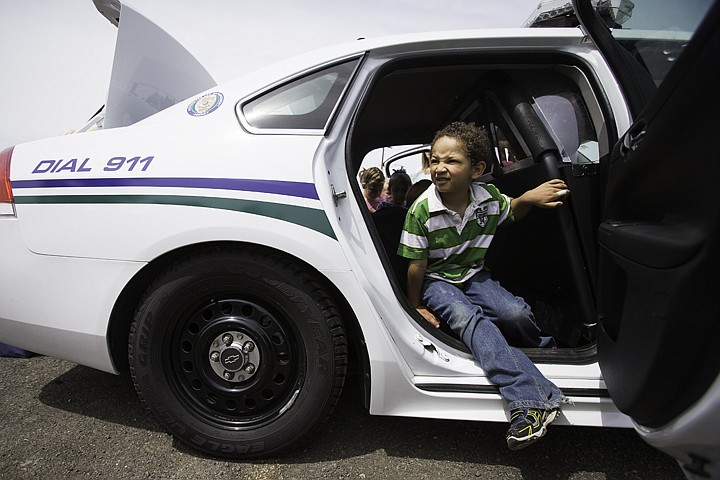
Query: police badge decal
{"x": 206, "y": 104}
{"x": 481, "y": 215}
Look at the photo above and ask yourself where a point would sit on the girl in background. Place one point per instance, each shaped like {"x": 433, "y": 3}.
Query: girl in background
{"x": 372, "y": 182}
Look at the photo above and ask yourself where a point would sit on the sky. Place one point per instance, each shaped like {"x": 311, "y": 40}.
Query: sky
{"x": 56, "y": 57}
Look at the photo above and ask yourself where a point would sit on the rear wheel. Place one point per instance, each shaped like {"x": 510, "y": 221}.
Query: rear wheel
{"x": 239, "y": 353}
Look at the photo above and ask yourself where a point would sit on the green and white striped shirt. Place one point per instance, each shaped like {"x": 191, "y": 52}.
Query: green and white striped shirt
{"x": 454, "y": 246}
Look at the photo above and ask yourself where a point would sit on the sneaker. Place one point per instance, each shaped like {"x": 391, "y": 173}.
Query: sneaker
{"x": 527, "y": 426}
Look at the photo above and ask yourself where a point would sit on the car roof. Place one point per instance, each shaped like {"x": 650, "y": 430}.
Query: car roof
{"x": 398, "y": 44}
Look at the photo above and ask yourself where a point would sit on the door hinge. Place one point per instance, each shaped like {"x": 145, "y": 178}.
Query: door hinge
{"x": 337, "y": 195}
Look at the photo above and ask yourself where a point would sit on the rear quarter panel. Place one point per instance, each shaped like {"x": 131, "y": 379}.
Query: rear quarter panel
{"x": 89, "y": 218}
{"x": 135, "y": 193}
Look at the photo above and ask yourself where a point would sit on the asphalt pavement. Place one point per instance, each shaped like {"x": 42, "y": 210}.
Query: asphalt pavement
{"x": 61, "y": 420}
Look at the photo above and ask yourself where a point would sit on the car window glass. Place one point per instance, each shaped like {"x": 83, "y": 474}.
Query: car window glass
{"x": 399, "y": 158}
{"x": 306, "y": 103}
{"x": 564, "y": 121}
{"x": 504, "y": 150}
{"x": 561, "y": 107}
{"x": 559, "y": 104}
{"x": 654, "y": 31}
{"x": 509, "y": 149}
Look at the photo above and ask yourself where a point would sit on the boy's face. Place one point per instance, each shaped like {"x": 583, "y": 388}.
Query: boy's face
{"x": 450, "y": 169}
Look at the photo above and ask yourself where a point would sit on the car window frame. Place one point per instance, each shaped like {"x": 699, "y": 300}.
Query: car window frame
{"x": 247, "y": 126}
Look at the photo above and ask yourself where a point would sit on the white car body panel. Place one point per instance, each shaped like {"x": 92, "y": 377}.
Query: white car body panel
{"x": 114, "y": 241}
{"x": 56, "y": 326}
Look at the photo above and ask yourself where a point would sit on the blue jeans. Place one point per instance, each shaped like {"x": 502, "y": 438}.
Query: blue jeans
{"x": 483, "y": 314}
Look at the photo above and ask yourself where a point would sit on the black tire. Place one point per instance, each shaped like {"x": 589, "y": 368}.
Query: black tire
{"x": 238, "y": 352}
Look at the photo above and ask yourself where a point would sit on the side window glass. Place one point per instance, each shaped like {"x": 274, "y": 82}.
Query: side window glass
{"x": 559, "y": 104}
{"x": 510, "y": 151}
{"x": 504, "y": 150}
{"x": 568, "y": 122}
{"x": 654, "y": 32}
{"x": 411, "y": 159}
{"x": 305, "y": 103}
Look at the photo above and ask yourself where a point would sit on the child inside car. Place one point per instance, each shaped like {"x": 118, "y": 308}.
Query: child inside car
{"x": 446, "y": 234}
{"x": 372, "y": 182}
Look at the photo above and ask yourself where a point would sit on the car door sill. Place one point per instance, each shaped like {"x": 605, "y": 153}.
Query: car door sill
{"x": 493, "y": 389}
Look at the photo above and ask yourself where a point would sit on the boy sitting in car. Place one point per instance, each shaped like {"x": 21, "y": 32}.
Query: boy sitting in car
{"x": 446, "y": 234}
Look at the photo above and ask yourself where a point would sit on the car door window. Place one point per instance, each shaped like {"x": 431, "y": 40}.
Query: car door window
{"x": 654, "y": 32}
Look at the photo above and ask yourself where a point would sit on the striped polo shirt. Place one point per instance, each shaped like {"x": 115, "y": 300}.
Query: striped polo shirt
{"x": 455, "y": 246}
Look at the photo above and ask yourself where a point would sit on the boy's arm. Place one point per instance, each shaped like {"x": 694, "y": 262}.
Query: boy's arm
{"x": 416, "y": 277}
{"x": 547, "y": 195}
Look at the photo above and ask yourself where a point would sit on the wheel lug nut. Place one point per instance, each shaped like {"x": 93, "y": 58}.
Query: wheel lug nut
{"x": 250, "y": 369}
{"x": 248, "y": 347}
{"x": 215, "y": 356}
{"x": 228, "y": 375}
{"x": 227, "y": 339}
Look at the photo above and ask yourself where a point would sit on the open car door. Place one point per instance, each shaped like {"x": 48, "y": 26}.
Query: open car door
{"x": 659, "y": 266}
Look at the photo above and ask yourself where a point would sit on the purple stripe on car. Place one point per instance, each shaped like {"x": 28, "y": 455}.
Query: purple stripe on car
{"x": 293, "y": 189}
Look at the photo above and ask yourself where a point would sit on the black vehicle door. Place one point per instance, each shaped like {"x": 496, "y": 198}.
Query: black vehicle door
{"x": 659, "y": 269}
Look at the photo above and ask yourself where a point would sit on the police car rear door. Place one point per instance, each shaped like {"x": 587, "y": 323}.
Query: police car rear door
{"x": 659, "y": 254}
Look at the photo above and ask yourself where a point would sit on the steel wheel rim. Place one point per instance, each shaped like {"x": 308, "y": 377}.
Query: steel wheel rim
{"x": 248, "y": 399}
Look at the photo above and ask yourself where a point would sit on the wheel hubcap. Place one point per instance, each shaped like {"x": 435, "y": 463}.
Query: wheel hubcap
{"x": 237, "y": 362}
{"x": 234, "y": 356}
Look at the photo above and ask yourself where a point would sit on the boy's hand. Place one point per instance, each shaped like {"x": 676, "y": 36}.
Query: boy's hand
{"x": 547, "y": 195}
{"x": 428, "y": 315}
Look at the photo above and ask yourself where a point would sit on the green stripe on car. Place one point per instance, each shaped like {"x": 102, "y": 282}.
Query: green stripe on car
{"x": 312, "y": 218}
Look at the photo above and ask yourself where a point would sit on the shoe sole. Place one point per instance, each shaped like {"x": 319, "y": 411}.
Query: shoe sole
{"x": 520, "y": 443}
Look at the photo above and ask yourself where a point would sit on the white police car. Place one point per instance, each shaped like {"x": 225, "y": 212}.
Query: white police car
{"x": 216, "y": 235}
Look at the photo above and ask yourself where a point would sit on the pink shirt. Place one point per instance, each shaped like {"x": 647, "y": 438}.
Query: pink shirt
{"x": 374, "y": 204}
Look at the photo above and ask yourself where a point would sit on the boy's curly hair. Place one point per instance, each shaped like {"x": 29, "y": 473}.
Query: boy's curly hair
{"x": 474, "y": 140}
